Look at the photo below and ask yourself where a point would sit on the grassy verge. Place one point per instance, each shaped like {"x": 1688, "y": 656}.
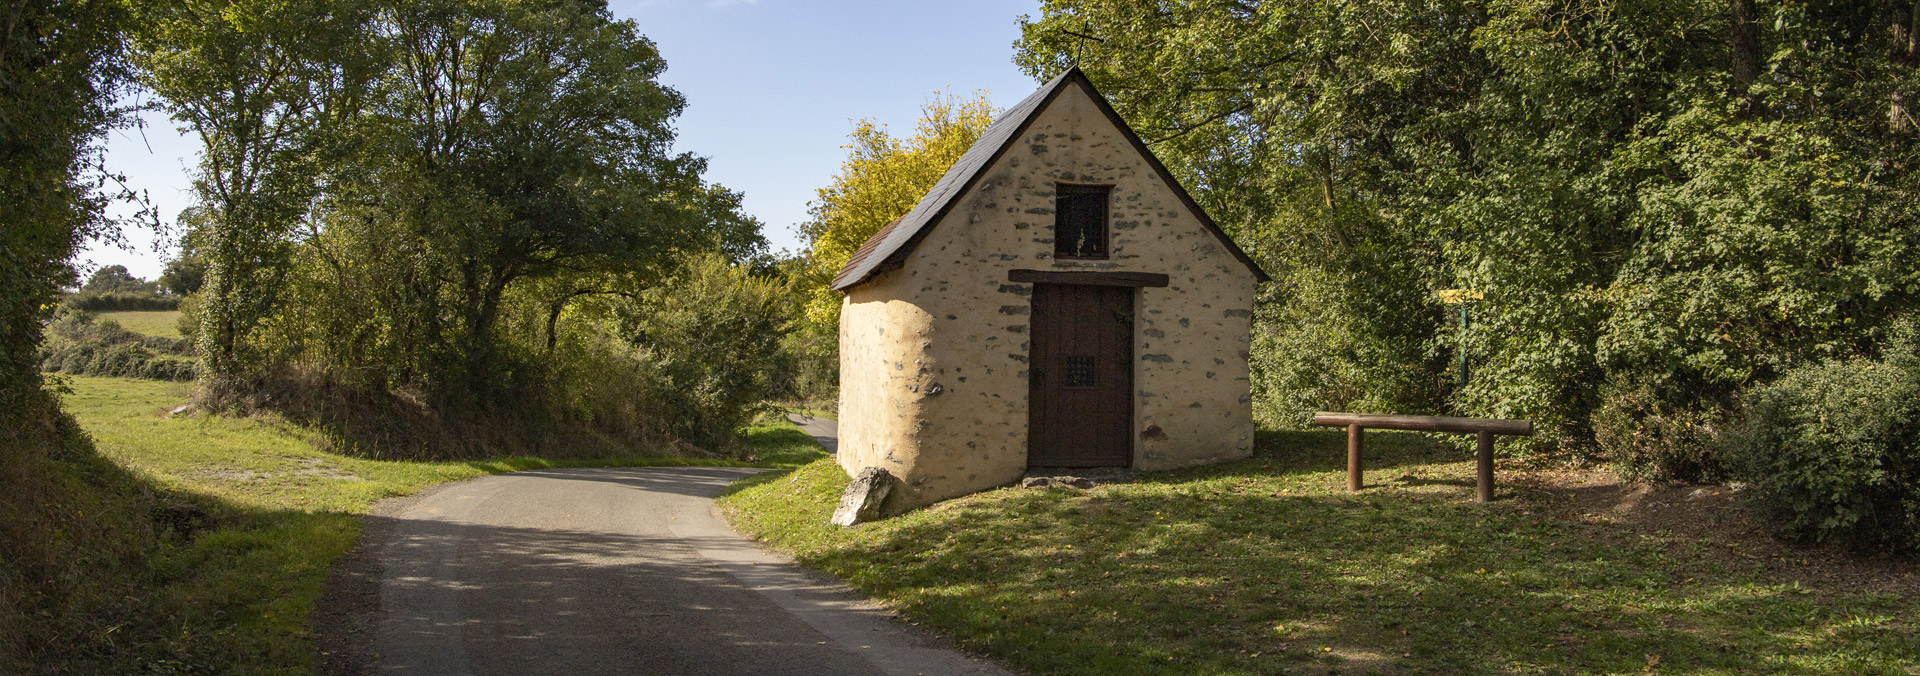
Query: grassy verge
{"x": 267, "y": 512}
{"x": 1269, "y": 566}
{"x": 774, "y": 442}
{"x": 159, "y": 323}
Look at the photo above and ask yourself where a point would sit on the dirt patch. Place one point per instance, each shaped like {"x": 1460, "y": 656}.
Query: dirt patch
{"x": 1713, "y": 517}
{"x": 309, "y": 467}
{"x": 317, "y": 467}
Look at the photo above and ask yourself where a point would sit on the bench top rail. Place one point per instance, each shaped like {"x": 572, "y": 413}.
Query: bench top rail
{"x": 1424, "y": 423}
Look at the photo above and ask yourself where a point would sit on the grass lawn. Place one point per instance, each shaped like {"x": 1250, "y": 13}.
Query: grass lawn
{"x": 161, "y": 323}
{"x": 238, "y": 597}
{"x": 1268, "y": 566}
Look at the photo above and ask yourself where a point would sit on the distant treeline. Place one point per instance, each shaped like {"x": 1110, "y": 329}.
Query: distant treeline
{"x": 120, "y": 301}
{"x": 113, "y": 289}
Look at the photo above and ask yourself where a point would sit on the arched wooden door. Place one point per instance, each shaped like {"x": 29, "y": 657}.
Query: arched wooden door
{"x": 1080, "y": 384}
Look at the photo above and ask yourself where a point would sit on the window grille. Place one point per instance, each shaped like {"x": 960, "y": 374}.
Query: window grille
{"x": 1079, "y": 371}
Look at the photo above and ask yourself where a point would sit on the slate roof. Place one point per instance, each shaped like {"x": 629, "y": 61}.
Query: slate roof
{"x": 888, "y": 248}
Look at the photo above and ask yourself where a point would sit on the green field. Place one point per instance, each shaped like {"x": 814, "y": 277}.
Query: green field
{"x": 238, "y": 596}
{"x": 160, "y": 323}
{"x": 1268, "y": 566}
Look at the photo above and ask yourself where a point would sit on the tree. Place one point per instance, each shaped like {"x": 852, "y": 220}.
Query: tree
{"x": 65, "y": 512}
{"x": 1657, "y": 218}
{"x": 113, "y": 278}
{"x": 266, "y": 85}
{"x": 186, "y": 273}
{"x": 881, "y": 179}
{"x": 384, "y": 184}
{"x": 713, "y": 333}
{"x": 510, "y": 147}
{"x": 61, "y": 65}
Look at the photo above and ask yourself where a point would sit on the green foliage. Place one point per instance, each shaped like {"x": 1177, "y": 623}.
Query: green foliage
{"x": 712, "y": 336}
{"x": 186, "y": 273}
{"x": 1833, "y": 449}
{"x": 113, "y": 289}
{"x": 75, "y": 531}
{"x": 188, "y": 323}
{"x": 115, "y": 278}
{"x": 1663, "y": 203}
{"x": 267, "y": 86}
{"x": 69, "y": 520}
{"x": 1651, "y": 437}
{"x": 60, "y": 67}
{"x": 516, "y": 201}
{"x": 79, "y": 344}
{"x": 405, "y": 204}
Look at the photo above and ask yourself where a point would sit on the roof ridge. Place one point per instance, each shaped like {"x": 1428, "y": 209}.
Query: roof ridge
{"x": 888, "y": 248}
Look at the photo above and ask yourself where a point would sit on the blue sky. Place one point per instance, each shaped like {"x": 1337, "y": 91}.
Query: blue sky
{"x": 772, "y": 87}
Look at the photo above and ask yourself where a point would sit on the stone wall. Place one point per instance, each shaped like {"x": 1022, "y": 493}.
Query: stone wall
{"x": 934, "y": 354}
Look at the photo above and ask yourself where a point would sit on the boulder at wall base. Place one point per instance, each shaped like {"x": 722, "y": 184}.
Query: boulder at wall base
{"x": 861, "y": 502}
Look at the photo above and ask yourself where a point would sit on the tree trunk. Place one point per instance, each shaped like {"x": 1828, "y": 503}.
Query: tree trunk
{"x": 1744, "y": 50}
{"x": 553, "y": 315}
{"x": 480, "y": 335}
{"x": 1903, "y": 51}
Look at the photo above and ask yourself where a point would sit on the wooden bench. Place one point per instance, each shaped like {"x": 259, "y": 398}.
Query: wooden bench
{"x": 1483, "y": 428}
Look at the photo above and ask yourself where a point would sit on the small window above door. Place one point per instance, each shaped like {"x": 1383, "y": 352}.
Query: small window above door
{"x": 1080, "y": 221}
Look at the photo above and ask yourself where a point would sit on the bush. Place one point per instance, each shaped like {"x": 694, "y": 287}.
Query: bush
{"x": 1831, "y": 452}
{"x": 713, "y": 338}
{"x": 189, "y": 322}
{"x": 1650, "y": 437}
{"x": 78, "y": 343}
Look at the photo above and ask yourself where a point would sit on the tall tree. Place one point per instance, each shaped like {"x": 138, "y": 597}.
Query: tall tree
{"x": 65, "y": 512}
{"x": 383, "y": 182}
{"x": 61, "y": 68}
{"x": 267, "y": 86}
{"x": 881, "y": 179}
{"x": 509, "y": 142}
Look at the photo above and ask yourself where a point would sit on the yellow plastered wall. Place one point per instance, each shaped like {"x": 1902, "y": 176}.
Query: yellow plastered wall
{"x": 933, "y": 355}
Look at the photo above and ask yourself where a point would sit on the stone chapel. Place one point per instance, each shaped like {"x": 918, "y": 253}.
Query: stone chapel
{"x": 1057, "y": 300}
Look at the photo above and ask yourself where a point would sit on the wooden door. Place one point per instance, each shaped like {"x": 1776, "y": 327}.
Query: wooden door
{"x": 1080, "y": 384}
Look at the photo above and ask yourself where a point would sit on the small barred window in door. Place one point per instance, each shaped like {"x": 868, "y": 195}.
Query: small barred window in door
{"x": 1079, "y": 371}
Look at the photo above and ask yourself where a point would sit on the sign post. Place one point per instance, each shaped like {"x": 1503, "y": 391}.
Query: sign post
{"x": 1462, "y": 298}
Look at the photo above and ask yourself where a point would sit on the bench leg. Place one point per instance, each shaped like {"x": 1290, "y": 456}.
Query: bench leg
{"x": 1485, "y": 465}
{"x": 1356, "y": 452}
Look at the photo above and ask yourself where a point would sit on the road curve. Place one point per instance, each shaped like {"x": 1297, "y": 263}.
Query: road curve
{"x": 614, "y": 571}
{"x": 826, "y": 431}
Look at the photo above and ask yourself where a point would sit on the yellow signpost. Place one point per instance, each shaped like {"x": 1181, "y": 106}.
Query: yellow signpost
{"x": 1462, "y": 298}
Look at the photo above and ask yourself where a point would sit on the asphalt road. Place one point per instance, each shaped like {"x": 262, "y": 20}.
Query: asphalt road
{"x": 612, "y": 571}
{"x": 824, "y": 430}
